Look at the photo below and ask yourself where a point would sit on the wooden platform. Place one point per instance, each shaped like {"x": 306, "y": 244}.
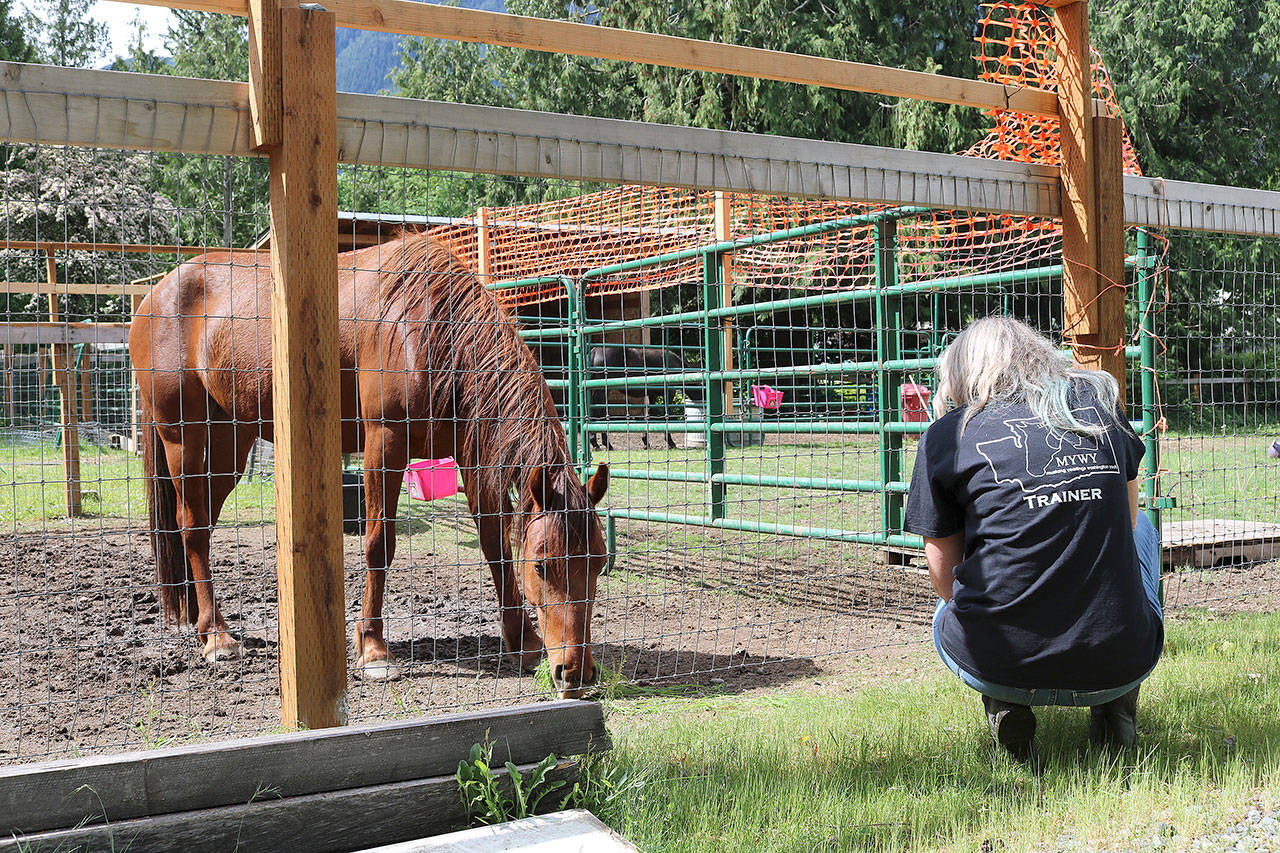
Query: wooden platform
{"x": 1208, "y": 542}
{"x": 1200, "y": 544}
{"x": 562, "y": 832}
{"x": 336, "y": 789}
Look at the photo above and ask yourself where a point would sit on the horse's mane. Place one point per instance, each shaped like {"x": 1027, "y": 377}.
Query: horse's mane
{"x": 480, "y": 374}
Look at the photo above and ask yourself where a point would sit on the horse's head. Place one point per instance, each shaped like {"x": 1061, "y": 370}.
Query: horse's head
{"x": 562, "y": 553}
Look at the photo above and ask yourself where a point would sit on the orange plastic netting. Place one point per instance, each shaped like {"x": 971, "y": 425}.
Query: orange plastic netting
{"x": 572, "y": 236}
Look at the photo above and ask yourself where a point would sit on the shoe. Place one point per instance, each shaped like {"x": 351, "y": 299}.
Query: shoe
{"x": 1116, "y": 722}
{"x": 1012, "y": 726}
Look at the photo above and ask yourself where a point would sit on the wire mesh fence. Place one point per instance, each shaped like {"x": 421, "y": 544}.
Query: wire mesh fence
{"x": 1216, "y": 326}
{"x": 752, "y": 366}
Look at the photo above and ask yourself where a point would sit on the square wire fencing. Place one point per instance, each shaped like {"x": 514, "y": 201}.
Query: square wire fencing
{"x": 747, "y": 340}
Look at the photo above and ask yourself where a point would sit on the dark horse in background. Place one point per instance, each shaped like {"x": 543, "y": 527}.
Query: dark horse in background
{"x": 431, "y": 366}
{"x": 615, "y": 362}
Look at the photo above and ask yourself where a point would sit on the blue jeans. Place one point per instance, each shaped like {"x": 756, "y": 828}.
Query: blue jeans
{"x": 1148, "y": 546}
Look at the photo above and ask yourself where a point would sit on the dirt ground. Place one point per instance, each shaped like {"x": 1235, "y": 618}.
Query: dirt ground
{"x": 87, "y": 667}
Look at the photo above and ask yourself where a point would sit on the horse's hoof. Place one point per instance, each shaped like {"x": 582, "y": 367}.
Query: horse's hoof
{"x": 380, "y": 670}
{"x": 222, "y": 652}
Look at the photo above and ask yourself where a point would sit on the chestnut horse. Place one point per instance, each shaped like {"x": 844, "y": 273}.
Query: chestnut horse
{"x": 431, "y": 366}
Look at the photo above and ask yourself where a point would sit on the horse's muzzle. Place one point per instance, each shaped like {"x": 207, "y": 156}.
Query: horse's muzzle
{"x": 572, "y": 684}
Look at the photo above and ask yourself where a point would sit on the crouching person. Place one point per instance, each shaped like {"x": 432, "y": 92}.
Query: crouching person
{"x": 1026, "y": 494}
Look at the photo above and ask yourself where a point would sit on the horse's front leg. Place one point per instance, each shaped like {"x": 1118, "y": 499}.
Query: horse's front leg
{"x": 186, "y": 458}
{"x": 519, "y": 635}
{"x": 385, "y": 458}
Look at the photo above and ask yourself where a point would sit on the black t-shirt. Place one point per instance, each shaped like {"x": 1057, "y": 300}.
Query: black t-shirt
{"x": 1049, "y": 592}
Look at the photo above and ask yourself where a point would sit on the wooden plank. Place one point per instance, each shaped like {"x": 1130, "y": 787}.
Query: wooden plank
{"x": 53, "y": 794}
{"x": 457, "y": 24}
{"x": 1205, "y": 543}
{"x": 51, "y": 334}
{"x": 1079, "y": 207}
{"x": 576, "y": 829}
{"x": 1105, "y": 350}
{"x": 141, "y": 112}
{"x": 68, "y": 410}
{"x": 1186, "y": 205}
{"x": 380, "y": 130}
{"x": 264, "y": 73}
{"x": 75, "y": 288}
{"x": 329, "y": 821}
{"x": 304, "y": 323}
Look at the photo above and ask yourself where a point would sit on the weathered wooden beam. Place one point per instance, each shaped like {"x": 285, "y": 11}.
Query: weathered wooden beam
{"x": 471, "y": 25}
{"x": 58, "y": 794}
{"x": 50, "y": 105}
{"x": 53, "y": 334}
{"x": 305, "y": 390}
{"x": 339, "y": 820}
{"x": 265, "y": 112}
{"x": 1107, "y": 351}
{"x": 385, "y": 131}
{"x": 75, "y": 288}
{"x": 1079, "y": 205}
{"x": 64, "y": 377}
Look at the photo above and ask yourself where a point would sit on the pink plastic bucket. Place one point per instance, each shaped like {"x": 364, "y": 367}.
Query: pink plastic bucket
{"x": 766, "y": 397}
{"x": 432, "y": 478}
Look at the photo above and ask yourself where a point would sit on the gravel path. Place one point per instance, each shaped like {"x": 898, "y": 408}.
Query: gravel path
{"x": 1259, "y": 829}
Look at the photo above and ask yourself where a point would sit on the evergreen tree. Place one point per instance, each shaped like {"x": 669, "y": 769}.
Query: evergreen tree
{"x": 65, "y": 32}
{"x": 140, "y": 58}
{"x": 1199, "y": 85}
{"x": 14, "y": 44}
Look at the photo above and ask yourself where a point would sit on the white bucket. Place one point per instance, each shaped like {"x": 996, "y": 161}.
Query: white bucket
{"x": 696, "y": 418}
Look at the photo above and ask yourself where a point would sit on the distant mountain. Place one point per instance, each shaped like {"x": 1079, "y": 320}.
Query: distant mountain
{"x": 365, "y": 58}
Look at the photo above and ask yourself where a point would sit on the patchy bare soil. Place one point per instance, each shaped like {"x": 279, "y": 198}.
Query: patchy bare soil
{"x": 86, "y": 665}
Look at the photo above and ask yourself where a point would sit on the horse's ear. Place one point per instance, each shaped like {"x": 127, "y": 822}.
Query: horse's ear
{"x": 540, "y": 489}
{"x": 598, "y": 484}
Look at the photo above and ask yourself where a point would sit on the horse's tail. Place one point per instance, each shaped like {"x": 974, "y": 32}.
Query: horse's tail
{"x": 173, "y": 572}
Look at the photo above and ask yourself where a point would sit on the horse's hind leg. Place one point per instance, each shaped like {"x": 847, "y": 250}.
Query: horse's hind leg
{"x": 185, "y": 449}
{"x": 385, "y": 458}
{"x": 229, "y": 448}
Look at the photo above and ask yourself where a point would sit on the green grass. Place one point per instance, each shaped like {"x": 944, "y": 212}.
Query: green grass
{"x": 1222, "y": 476}
{"x": 908, "y": 766}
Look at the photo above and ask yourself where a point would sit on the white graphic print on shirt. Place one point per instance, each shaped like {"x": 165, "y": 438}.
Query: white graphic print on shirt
{"x": 1041, "y": 460}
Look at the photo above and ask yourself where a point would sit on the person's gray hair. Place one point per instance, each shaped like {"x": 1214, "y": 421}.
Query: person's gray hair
{"x": 1002, "y": 360}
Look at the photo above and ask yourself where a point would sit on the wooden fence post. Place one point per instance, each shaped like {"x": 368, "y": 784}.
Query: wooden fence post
{"x": 724, "y": 232}
{"x": 135, "y": 414}
{"x": 304, "y": 320}
{"x": 64, "y": 377}
{"x": 484, "y": 248}
{"x": 1079, "y": 209}
{"x": 7, "y": 356}
{"x": 1108, "y": 346}
{"x": 1092, "y": 205}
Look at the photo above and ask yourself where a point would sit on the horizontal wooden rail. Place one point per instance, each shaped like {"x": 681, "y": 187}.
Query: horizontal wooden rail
{"x": 75, "y": 289}
{"x": 181, "y": 779}
{"x": 433, "y": 20}
{"x": 50, "y": 105}
{"x": 47, "y": 334}
{"x": 122, "y": 248}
